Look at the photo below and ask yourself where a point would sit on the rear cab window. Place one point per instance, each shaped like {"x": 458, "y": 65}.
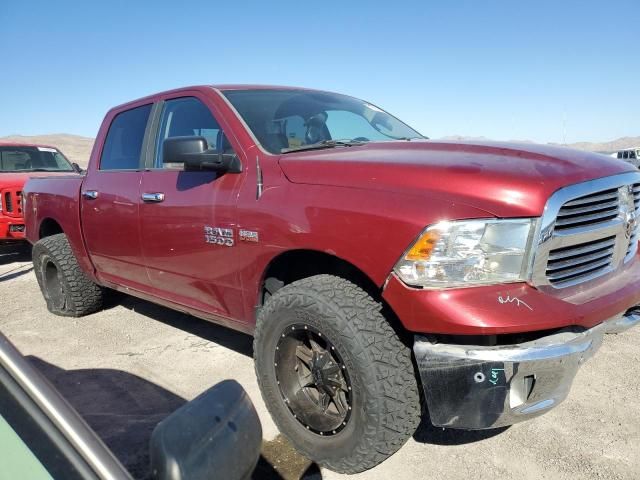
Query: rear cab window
{"x": 123, "y": 145}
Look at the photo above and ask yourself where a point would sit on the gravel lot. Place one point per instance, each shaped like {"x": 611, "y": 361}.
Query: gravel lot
{"x": 126, "y": 368}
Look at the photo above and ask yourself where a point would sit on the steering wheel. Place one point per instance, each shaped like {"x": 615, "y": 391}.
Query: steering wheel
{"x": 361, "y": 139}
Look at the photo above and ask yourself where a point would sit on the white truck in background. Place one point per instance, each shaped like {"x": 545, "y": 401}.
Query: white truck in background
{"x": 631, "y": 155}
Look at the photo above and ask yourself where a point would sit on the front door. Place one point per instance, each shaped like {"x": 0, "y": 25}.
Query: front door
{"x": 188, "y": 219}
{"x": 110, "y": 202}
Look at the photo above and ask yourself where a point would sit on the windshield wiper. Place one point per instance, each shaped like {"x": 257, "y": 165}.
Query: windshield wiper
{"x": 324, "y": 144}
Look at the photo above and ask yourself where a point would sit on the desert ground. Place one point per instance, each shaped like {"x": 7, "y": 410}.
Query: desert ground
{"x": 129, "y": 366}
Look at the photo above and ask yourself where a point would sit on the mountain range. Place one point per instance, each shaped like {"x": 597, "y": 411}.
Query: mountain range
{"x": 78, "y": 149}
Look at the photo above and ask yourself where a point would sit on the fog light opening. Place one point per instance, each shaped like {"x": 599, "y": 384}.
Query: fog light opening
{"x": 521, "y": 390}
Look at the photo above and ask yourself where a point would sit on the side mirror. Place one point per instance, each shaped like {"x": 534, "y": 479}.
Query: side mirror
{"x": 77, "y": 167}
{"x": 216, "y": 435}
{"x": 196, "y": 155}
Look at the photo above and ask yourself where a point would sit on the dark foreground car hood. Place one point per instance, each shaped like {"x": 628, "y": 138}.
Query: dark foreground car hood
{"x": 503, "y": 179}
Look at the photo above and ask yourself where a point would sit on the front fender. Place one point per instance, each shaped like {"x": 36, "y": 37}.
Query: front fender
{"x": 368, "y": 229}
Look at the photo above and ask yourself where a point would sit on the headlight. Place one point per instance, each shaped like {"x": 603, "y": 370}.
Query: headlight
{"x": 469, "y": 252}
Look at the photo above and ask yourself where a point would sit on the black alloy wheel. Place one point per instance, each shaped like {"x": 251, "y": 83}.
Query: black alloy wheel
{"x": 313, "y": 380}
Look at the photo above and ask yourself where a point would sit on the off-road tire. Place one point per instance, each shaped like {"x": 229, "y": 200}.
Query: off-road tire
{"x": 386, "y": 406}
{"x": 65, "y": 287}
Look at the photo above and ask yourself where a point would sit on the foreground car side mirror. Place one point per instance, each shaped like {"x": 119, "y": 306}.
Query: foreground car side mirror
{"x": 77, "y": 167}
{"x": 195, "y": 154}
{"x": 216, "y": 435}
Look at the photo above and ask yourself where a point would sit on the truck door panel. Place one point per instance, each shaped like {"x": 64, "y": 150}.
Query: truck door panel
{"x": 110, "y": 202}
{"x": 183, "y": 264}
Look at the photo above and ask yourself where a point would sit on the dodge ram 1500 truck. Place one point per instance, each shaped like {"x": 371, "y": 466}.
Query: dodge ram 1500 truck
{"x": 374, "y": 267}
{"x": 18, "y": 162}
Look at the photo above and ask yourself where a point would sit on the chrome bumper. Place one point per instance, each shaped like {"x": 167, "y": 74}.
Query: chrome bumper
{"x": 477, "y": 387}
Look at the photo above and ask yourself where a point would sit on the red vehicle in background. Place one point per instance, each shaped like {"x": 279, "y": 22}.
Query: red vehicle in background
{"x": 18, "y": 162}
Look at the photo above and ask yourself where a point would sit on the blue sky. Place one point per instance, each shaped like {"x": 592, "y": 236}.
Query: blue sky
{"x": 504, "y": 70}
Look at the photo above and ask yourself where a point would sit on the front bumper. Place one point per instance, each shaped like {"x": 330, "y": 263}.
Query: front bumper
{"x": 11, "y": 229}
{"x": 477, "y": 387}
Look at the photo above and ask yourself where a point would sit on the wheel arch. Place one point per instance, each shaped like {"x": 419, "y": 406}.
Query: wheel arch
{"x": 70, "y": 227}
{"x": 292, "y": 265}
{"x": 49, "y": 227}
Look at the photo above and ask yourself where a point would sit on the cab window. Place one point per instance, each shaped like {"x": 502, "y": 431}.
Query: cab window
{"x": 123, "y": 144}
{"x": 186, "y": 117}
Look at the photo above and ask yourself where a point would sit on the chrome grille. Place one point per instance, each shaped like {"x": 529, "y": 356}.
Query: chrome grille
{"x": 633, "y": 241}
{"x": 587, "y": 231}
{"x": 591, "y": 209}
{"x": 574, "y": 262}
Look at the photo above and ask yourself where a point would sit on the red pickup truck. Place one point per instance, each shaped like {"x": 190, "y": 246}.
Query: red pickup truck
{"x": 18, "y": 162}
{"x": 373, "y": 267}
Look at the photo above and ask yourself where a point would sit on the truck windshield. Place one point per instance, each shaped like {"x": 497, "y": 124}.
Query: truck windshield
{"x": 32, "y": 159}
{"x": 289, "y": 120}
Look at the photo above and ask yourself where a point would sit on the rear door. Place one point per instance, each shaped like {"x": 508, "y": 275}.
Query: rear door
{"x": 110, "y": 201}
{"x": 188, "y": 219}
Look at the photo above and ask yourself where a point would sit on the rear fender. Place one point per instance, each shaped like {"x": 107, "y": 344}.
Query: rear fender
{"x": 57, "y": 199}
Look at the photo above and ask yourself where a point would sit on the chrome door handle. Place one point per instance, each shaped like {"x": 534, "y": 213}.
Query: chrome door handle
{"x": 90, "y": 194}
{"x": 153, "y": 197}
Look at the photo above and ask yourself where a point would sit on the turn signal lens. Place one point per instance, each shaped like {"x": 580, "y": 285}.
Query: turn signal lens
{"x": 421, "y": 250}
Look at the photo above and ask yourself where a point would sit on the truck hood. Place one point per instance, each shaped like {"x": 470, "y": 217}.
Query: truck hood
{"x": 503, "y": 179}
{"x": 18, "y": 179}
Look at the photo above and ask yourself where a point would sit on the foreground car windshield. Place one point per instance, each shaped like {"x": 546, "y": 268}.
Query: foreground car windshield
{"x": 32, "y": 159}
{"x": 286, "y": 120}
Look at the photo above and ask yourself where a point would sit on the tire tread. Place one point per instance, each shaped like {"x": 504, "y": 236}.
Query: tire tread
{"x": 83, "y": 296}
{"x": 393, "y": 404}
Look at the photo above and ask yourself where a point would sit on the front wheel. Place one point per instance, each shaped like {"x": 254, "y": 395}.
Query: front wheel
{"x": 336, "y": 378}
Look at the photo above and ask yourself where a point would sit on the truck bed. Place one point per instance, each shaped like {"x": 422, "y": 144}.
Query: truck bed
{"x": 56, "y": 198}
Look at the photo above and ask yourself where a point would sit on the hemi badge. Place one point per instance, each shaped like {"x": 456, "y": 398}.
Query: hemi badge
{"x": 248, "y": 236}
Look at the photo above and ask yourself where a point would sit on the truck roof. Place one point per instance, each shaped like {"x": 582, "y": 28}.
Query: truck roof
{"x": 239, "y": 86}
{"x": 223, "y": 87}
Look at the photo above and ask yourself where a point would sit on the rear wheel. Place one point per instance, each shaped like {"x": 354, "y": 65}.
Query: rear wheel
{"x": 65, "y": 287}
{"x": 336, "y": 378}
